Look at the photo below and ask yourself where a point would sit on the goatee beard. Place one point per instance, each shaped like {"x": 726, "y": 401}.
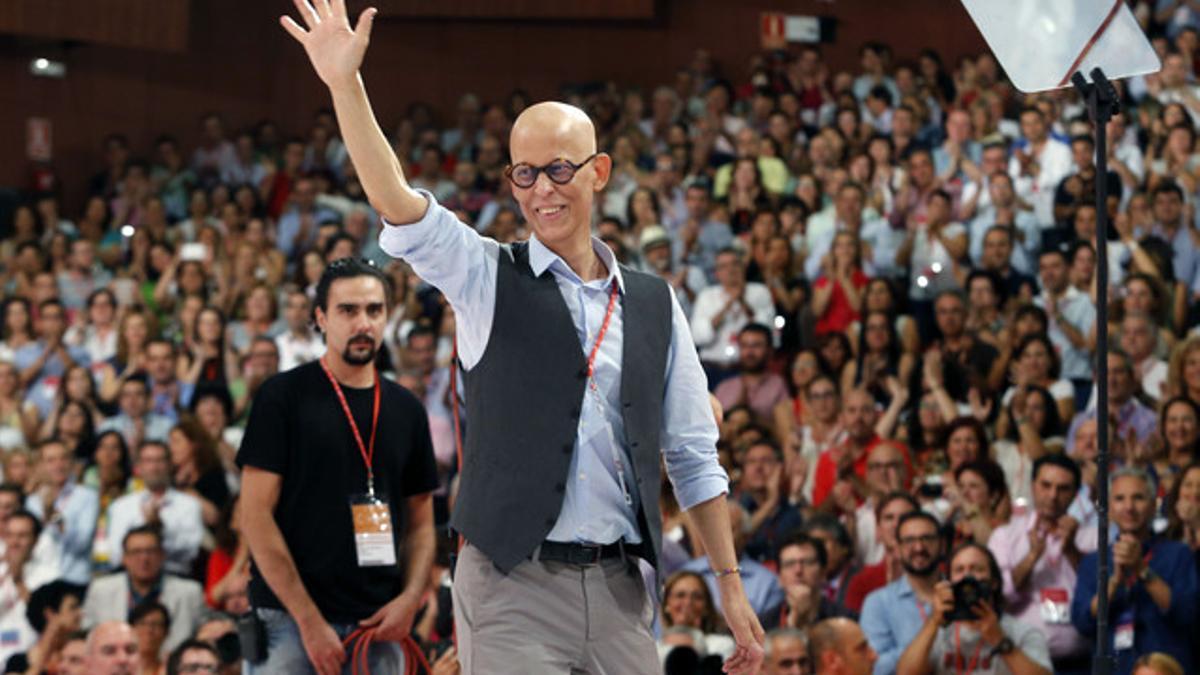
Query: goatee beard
{"x": 359, "y": 359}
{"x": 920, "y": 571}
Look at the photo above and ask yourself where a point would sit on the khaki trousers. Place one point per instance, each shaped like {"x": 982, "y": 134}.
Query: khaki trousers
{"x": 552, "y": 618}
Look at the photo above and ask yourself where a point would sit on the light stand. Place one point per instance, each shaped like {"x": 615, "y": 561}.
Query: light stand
{"x": 1101, "y": 98}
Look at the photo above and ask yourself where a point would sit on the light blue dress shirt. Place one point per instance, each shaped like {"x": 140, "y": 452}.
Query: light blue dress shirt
{"x": 79, "y": 507}
{"x": 891, "y": 617}
{"x": 1078, "y": 310}
{"x": 462, "y": 264}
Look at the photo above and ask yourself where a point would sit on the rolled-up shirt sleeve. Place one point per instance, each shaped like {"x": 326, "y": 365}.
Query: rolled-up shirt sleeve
{"x": 456, "y": 260}
{"x": 689, "y": 434}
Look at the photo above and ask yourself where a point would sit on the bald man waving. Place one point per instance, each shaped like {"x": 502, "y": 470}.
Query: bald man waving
{"x": 580, "y": 375}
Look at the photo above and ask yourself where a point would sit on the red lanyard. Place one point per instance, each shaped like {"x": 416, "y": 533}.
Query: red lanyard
{"x": 591, "y": 362}
{"x": 920, "y": 608}
{"x": 367, "y": 451}
{"x": 958, "y": 655}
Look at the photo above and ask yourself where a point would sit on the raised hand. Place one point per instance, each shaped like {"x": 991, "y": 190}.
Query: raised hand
{"x": 336, "y": 50}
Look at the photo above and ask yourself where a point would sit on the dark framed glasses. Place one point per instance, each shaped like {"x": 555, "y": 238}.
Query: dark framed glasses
{"x": 560, "y": 171}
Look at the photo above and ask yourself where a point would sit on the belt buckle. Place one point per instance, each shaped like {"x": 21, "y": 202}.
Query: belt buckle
{"x": 589, "y": 554}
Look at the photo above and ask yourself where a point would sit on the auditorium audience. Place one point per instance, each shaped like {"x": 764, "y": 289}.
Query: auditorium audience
{"x": 888, "y": 268}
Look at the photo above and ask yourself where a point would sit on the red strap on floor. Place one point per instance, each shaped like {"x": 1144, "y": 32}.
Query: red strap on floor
{"x": 359, "y": 643}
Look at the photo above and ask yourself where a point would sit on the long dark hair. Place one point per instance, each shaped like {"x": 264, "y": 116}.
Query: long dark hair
{"x": 16, "y": 300}
{"x": 125, "y": 462}
{"x": 893, "y": 348}
{"x": 1028, "y": 340}
{"x": 1174, "y": 523}
{"x": 1053, "y": 425}
{"x": 83, "y": 449}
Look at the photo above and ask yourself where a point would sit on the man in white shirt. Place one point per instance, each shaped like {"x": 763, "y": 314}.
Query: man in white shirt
{"x": 158, "y": 503}
{"x": 1038, "y": 165}
{"x": 299, "y": 343}
{"x": 135, "y": 422}
{"x": 69, "y": 511}
{"x": 1072, "y": 317}
{"x": 19, "y": 575}
{"x": 1139, "y": 336}
{"x": 722, "y": 310}
{"x": 1004, "y": 209}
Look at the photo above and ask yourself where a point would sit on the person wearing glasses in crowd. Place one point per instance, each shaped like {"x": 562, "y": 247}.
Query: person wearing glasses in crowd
{"x": 559, "y": 490}
{"x": 991, "y": 642}
{"x": 893, "y": 615}
{"x": 802, "y": 561}
{"x": 194, "y": 658}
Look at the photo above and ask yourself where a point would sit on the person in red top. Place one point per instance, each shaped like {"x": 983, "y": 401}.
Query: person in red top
{"x": 847, "y": 461}
{"x": 837, "y": 293}
{"x": 872, "y": 577}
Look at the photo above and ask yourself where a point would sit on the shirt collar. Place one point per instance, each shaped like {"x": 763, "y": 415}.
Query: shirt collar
{"x": 542, "y": 258}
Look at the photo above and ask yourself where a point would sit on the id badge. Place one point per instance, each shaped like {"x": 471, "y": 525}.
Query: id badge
{"x": 1055, "y": 605}
{"x": 1123, "y": 634}
{"x": 374, "y": 541}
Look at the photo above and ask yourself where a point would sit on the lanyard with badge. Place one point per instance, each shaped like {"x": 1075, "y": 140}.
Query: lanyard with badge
{"x": 598, "y": 398}
{"x": 1054, "y": 603}
{"x": 373, "y": 539}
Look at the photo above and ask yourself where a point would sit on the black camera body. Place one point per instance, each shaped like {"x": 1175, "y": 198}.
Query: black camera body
{"x": 968, "y": 592}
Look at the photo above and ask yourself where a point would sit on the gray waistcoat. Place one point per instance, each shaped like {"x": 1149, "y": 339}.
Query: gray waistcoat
{"x": 523, "y": 403}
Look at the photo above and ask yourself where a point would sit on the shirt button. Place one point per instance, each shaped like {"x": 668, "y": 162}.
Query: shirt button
{"x": 582, "y": 476}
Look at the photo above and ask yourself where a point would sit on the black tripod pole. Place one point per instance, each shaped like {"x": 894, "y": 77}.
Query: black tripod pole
{"x": 1101, "y": 99}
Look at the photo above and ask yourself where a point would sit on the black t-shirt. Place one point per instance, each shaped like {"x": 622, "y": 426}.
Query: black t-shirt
{"x": 297, "y": 429}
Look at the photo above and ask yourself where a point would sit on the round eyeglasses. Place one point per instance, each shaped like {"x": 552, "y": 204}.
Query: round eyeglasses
{"x": 560, "y": 171}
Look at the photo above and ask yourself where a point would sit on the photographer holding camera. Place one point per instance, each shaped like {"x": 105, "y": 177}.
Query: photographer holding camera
{"x": 967, "y": 630}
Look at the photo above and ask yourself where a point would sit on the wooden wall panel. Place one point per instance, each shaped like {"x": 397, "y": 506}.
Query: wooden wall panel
{"x": 522, "y": 9}
{"x": 240, "y": 62}
{"x": 141, "y": 24}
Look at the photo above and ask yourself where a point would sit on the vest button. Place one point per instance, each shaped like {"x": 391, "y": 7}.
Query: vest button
{"x": 633, "y": 444}
{"x": 560, "y": 487}
{"x": 575, "y": 413}
{"x": 550, "y": 522}
{"x": 628, "y": 404}
{"x": 567, "y": 448}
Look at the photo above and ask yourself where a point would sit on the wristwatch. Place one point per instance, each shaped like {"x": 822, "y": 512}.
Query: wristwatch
{"x": 1146, "y": 574}
{"x": 1006, "y": 645}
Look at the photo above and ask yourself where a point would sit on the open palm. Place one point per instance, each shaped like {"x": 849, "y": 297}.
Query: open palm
{"x": 336, "y": 50}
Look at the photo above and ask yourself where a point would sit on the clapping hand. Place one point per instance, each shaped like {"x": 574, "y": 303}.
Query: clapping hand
{"x": 1127, "y": 554}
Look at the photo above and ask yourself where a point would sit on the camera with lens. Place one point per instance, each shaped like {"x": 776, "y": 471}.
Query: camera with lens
{"x": 968, "y": 592}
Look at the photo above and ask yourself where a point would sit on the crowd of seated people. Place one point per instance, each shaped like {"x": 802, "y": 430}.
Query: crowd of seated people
{"x": 889, "y": 269}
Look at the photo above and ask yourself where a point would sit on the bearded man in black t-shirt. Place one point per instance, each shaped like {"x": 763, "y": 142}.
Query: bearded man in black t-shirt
{"x": 338, "y": 468}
